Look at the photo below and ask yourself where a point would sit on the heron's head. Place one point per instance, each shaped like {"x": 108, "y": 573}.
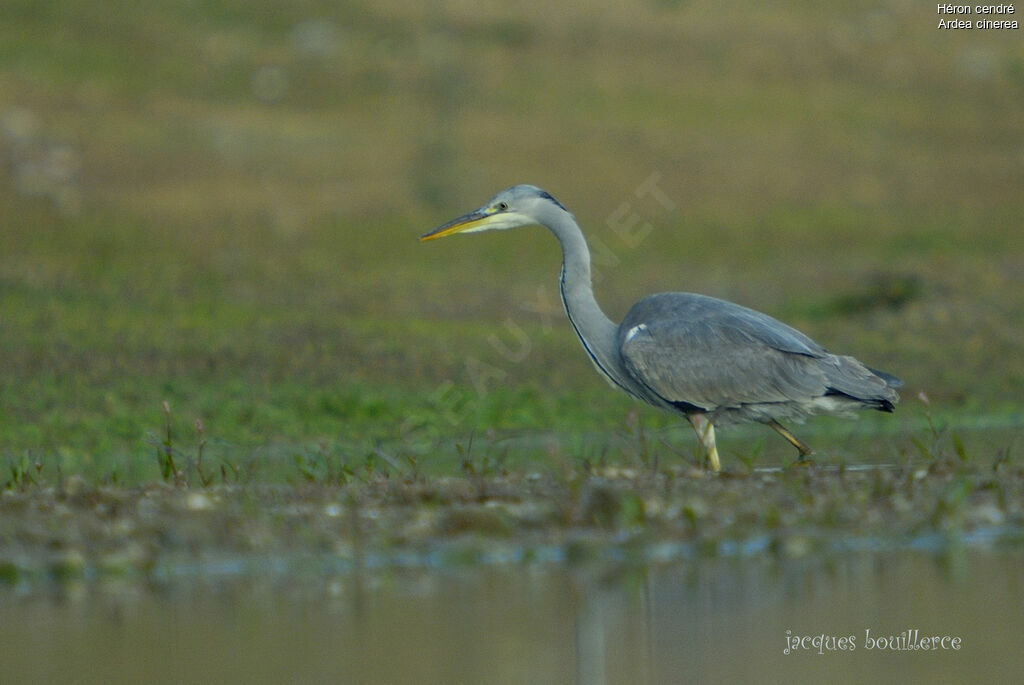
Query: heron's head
{"x": 522, "y": 205}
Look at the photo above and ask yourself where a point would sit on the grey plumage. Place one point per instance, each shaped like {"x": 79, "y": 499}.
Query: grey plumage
{"x": 736, "y": 364}
{"x": 714, "y": 361}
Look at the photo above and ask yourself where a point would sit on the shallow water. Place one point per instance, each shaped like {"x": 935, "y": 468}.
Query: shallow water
{"x": 719, "y": 620}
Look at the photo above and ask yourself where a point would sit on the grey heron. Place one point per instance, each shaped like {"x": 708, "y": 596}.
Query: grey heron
{"x": 713, "y": 361}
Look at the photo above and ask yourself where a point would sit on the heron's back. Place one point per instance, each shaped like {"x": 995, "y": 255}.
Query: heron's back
{"x": 701, "y": 354}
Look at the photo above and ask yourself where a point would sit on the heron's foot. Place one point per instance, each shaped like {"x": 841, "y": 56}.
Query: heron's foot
{"x": 803, "y": 449}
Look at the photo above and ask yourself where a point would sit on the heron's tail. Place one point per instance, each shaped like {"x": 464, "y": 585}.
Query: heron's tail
{"x": 891, "y": 380}
{"x": 872, "y": 388}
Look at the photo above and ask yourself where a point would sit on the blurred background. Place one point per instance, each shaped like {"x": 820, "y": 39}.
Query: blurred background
{"x": 216, "y": 205}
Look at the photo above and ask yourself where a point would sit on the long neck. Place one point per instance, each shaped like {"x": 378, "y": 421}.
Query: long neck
{"x": 595, "y": 330}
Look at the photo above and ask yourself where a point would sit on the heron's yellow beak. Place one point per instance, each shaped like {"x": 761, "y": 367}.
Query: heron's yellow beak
{"x": 476, "y": 220}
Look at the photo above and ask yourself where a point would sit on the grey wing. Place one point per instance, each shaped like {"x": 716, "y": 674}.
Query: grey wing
{"x": 700, "y": 351}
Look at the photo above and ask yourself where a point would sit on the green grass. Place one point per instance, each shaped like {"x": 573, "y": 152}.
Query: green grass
{"x": 173, "y": 232}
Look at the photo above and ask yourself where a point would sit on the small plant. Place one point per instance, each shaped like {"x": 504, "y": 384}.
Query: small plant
{"x": 935, "y": 451}
{"x": 950, "y": 508}
{"x": 635, "y": 430}
{"x": 204, "y": 478}
{"x": 165, "y": 450}
{"x": 477, "y": 471}
{"x": 466, "y": 456}
{"x": 24, "y": 473}
{"x": 173, "y": 463}
{"x": 958, "y": 446}
{"x": 750, "y": 459}
{"x": 238, "y": 473}
{"x": 320, "y": 467}
{"x": 413, "y": 460}
{"x": 226, "y": 468}
{"x": 309, "y": 469}
{"x": 1003, "y": 457}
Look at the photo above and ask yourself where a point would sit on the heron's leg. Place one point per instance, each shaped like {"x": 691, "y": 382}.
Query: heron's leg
{"x": 793, "y": 440}
{"x": 706, "y": 435}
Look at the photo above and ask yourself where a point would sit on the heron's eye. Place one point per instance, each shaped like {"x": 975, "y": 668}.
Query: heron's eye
{"x": 502, "y": 206}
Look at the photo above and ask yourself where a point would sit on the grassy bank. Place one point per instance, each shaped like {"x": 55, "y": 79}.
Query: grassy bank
{"x": 217, "y": 207}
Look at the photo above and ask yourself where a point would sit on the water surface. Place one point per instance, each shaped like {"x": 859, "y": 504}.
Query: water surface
{"x": 718, "y": 620}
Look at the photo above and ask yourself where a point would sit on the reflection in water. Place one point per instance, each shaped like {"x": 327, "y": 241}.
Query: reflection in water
{"x": 709, "y": 621}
